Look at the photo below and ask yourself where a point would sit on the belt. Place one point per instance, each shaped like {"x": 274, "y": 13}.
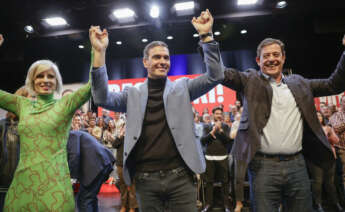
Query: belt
{"x": 163, "y": 172}
{"x": 278, "y": 157}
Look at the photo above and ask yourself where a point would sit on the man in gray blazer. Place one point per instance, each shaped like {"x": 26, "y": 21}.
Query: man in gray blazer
{"x": 160, "y": 149}
{"x": 278, "y": 128}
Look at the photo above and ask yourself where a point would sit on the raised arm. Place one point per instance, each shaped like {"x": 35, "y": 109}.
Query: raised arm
{"x": 110, "y": 100}
{"x": 9, "y": 101}
{"x": 211, "y": 56}
{"x": 335, "y": 84}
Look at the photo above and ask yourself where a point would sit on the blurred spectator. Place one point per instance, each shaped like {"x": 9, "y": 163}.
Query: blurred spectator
{"x": 94, "y": 130}
{"x": 238, "y": 105}
{"x": 233, "y": 112}
{"x": 320, "y": 177}
{"x": 337, "y": 121}
{"x": 235, "y": 126}
{"x": 118, "y": 122}
{"x": 216, "y": 138}
{"x": 105, "y": 115}
{"x": 227, "y": 119}
{"x": 198, "y": 126}
{"x": 326, "y": 112}
{"x": 128, "y": 199}
{"x": 77, "y": 123}
{"x": 206, "y": 119}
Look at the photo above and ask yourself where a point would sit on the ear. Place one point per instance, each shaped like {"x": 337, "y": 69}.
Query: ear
{"x": 145, "y": 62}
{"x": 257, "y": 59}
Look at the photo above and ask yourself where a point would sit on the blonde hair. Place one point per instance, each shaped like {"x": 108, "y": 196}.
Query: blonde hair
{"x": 38, "y": 67}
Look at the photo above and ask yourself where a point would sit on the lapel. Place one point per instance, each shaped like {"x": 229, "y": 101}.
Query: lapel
{"x": 143, "y": 97}
{"x": 168, "y": 86}
{"x": 294, "y": 88}
{"x": 268, "y": 88}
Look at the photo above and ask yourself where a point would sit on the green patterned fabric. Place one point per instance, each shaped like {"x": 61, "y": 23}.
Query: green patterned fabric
{"x": 42, "y": 180}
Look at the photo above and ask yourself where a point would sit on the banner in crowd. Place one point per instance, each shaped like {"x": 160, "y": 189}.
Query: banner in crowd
{"x": 215, "y": 97}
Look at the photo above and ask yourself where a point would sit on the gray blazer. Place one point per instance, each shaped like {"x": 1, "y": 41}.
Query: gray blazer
{"x": 178, "y": 110}
{"x": 257, "y": 94}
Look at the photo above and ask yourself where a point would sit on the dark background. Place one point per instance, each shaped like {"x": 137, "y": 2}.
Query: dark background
{"x": 311, "y": 29}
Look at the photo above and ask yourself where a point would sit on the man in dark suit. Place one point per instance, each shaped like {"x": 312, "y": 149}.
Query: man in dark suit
{"x": 91, "y": 163}
{"x": 278, "y": 124}
{"x": 216, "y": 138}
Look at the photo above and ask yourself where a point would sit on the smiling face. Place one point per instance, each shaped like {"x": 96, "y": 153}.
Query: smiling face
{"x": 271, "y": 61}
{"x": 158, "y": 62}
{"x": 45, "y": 81}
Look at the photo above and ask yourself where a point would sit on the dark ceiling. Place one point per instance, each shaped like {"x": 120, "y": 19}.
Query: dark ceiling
{"x": 311, "y": 29}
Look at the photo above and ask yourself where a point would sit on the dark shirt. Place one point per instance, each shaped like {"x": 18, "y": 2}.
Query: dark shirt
{"x": 156, "y": 149}
{"x": 219, "y": 146}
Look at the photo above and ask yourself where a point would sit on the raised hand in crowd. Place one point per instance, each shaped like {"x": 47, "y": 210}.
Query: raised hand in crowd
{"x": 122, "y": 131}
{"x": 203, "y": 24}
{"x": 1, "y": 39}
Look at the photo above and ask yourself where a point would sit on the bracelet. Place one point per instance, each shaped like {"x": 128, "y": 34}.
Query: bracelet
{"x": 203, "y": 36}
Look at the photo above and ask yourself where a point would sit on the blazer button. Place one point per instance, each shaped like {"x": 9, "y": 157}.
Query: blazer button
{"x": 267, "y": 116}
{"x": 135, "y": 138}
{"x": 125, "y": 153}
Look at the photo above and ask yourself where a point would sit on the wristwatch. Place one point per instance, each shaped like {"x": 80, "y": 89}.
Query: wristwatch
{"x": 203, "y": 36}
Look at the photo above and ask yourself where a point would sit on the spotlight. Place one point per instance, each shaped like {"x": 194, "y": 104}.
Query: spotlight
{"x": 144, "y": 40}
{"x": 29, "y": 29}
{"x": 184, "y": 6}
{"x": 123, "y": 13}
{"x": 195, "y": 35}
{"x": 216, "y": 33}
{"x": 80, "y": 46}
{"x": 246, "y": 2}
{"x": 243, "y": 31}
{"x": 56, "y": 21}
{"x": 154, "y": 12}
{"x": 281, "y": 4}
{"x": 119, "y": 42}
{"x": 170, "y": 37}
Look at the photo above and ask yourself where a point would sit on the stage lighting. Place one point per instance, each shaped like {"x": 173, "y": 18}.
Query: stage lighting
{"x": 246, "y": 2}
{"x": 170, "y": 37}
{"x": 29, "y": 29}
{"x": 243, "y": 31}
{"x": 119, "y": 42}
{"x": 154, "y": 12}
{"x": 195, "y": 35}
{"x": 124, "y": 15}
{"x": 281, "y": 4}
{"x": 80, "y": 46}
{"x": 55, "y": 21}
{"x": 184, "y": 8}
{"x": 216, "y": 33}
{"x": 144, "y": 40}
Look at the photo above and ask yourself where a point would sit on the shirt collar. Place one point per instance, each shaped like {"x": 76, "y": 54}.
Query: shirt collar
{"x": 269, "y": 78}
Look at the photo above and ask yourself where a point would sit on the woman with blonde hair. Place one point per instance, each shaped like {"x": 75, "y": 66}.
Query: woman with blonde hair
{"x": 42, "y": 181}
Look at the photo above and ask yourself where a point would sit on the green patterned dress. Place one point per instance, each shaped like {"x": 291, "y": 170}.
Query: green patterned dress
{"x": 42, "y": 180}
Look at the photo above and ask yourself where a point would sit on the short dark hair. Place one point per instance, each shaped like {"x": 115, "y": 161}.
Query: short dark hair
{"x": 152, "y": 45}
{"x": 217, "y": 108}
{"x": 270, "y": 41}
